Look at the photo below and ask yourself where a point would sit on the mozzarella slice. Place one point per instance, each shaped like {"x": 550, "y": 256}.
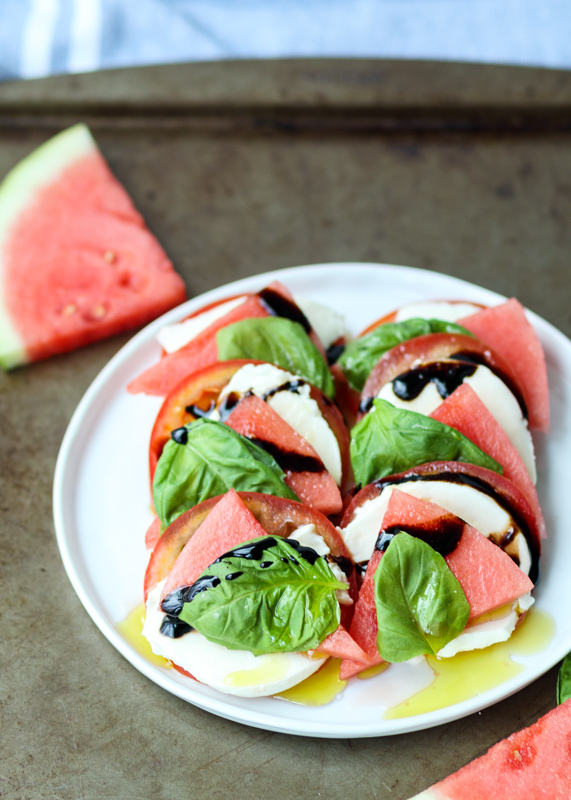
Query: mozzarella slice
{"x": 307, "y": 537}
{"x": 476, "y": 508}
{"x": 497, "y": 398}
{"x": 436, "y": 309}
{"x": 329, "y": 325}
{"x": 173, "y": 337}
{"x": 483, "y": 634}
{"x": 297, "y": 408}
{"x": 236, "y": 672}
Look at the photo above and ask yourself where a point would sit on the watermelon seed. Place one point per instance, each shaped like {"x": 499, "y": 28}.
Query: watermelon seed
{"x": 109, "y": 256}
{"x": 98, "y": 311}
{"x": 70, "y": 309}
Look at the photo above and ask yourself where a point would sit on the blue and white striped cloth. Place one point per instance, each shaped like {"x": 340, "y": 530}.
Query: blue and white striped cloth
{"x": 43, "y": 37}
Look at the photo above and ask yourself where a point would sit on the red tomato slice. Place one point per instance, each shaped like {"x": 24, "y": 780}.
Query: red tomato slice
{"x": 203, "y": 387}
{"x": 502, "y": 489}
{"x": 435, "y": 347}
{"x": 199, "y": 389}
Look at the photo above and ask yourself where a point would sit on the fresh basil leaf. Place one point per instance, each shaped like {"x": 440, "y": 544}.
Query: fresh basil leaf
{"x": 389, "y": 440}
{"x": 278, "y": 341}
{"x": 286, "y": 605}
{"x": 564, "y": 680}
{"x": 420, "y": 603}
{"x": 361, "y": 355}
{"x": 213, "y": 459}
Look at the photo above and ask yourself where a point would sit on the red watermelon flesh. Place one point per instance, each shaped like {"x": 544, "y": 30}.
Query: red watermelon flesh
{"x": 464, "y": 411}
{"x": 200, "y": 352}
{"x": 76, "y": 260}
{"x": 507, "y": 330}
{"x": 340, "y": 644}
{"x": 256, "y": 420}
{"x": 363, "y": 628}
{"x": 530, "y": 764}
{"x": 228, "y": 524}
{"x": 488, "y": 576}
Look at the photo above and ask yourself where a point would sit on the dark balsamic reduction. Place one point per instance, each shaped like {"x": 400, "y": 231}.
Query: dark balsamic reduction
{"x": 174, "y": 628}
{"x": 334, "y": 353}
{"x": 180, "y": 435}
{"x": 445, "y": 375}
{"x": 443, "y": 534}
{"x": 279, "y": 306}
{"x": 482, "y": 486}
{"x": 345, "y": 564}
{"x": 228, "y": 405}
{"x": 366, "y": 405}
{"x": 289, "y": 386}
{"x": 173, "y": 603}
{"x": 288, "y": 460}
{"x": 252, "y": 551}
{"x": 198, "y": 412}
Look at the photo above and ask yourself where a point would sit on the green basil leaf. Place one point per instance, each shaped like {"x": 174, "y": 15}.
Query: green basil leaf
{"x": 288, "y": 605}
{"x": 389, "y": 440}
{"x": 278, "y": 341}
{"x": 361, "y": 355}
{"x": 420, "y": 603}
{"x": 214, "y": 459}
{"x": 564, "y": 680}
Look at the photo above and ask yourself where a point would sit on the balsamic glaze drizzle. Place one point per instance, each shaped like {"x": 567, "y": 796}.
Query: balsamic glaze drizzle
{"x": 279, "y": 306}
{"x": 482, "y": 486}
{"x": 445, "y": 375}
{"x": 173, "y": 603}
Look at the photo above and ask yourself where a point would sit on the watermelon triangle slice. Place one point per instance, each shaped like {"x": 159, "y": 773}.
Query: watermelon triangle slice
{"x": 464, "y": 411}
{"x": 363, "y": 628}
{"x": 77, "y": 263}
{"x": 532, "y": 763}
{"x": 202, "y": 351}
{"x": 228, "y": 524}
{"x": 489, "y": 577}
{"x": 507, "y": 330}
{"x": 306, "y": 475}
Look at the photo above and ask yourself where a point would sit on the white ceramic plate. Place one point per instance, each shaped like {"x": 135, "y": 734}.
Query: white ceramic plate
{"x": 101, "y": 500}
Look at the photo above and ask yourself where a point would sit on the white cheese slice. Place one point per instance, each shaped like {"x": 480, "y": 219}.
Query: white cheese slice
{"x": 307, "y": 537}
{"x": 436, "y": 309}
{"x": 476, "y": 508}
{"x": 298, "y": 409}
{"x": 236, "y": 672}
{"x": 328, "y": 324}
{"x": 483, "y": 634}
{"x": 497, "y": 398}
{"x": 173, "y": 337}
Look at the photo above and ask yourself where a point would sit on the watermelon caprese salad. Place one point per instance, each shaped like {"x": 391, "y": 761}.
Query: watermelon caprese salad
{"x": 370, "y": 499}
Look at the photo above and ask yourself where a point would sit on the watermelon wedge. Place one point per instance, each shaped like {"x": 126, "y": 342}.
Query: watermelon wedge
{"x": 305, "y": 473}
{"x": 228, "y": 524}
{"x": 532, "y": 763}
{"x": 77, "y": 263}
{"x": 507, "y": 329}
{"x": 340, "y": 644}
{"x": 363, "y": 628}
{"x": 202, "y": 351}
{"x": 488, "y": 576}
{"x": 464, "y": 411}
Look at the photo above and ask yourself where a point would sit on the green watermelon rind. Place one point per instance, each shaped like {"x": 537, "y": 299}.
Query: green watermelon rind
{"x": 17, "y": 191}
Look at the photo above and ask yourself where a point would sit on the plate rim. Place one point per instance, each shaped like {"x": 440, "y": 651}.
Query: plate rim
{"x": 219, "y": 705}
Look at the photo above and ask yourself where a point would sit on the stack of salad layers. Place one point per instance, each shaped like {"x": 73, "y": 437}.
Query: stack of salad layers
{"x": 369, "y": 499}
